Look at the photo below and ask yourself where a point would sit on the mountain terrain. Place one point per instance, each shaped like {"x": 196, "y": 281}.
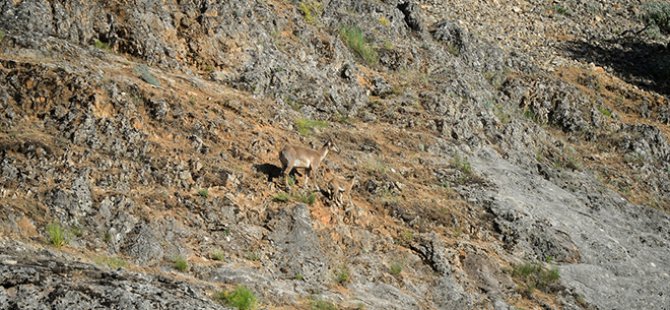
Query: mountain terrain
{"x": 504, "y": 154}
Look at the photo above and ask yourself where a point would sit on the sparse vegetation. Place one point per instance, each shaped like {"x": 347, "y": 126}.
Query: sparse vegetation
{"x": 605, "y": 111}
{"x": 561, "y": 10}
{"x": 307, "y": 198}
{"x": 320, "y": 304}
{"x": 657, "y": 16}
{"x": 535, "y": 276}
{"x": 342, "y": 275}
{"x": 111, "y": 262}
{"x": 311, "y": 10}
{"x": 217, "y": 255}
{"x": 241, "y": 298}
{"x": 306, "y": 126}
{"x": 395, "y": 269}
{"x": 384, "y": 21}
{"x": 462, "y": 164}
{"x": 406, "y": 237}
{"x": 298, "y": 276}
{"x": 145, "y": 75}
{"x": 204, "y": 193}
{"x": 353, "y": 37}
{"x": 58, "y": 236}
{"x": 2, "y": 35}
{"x": 101, "y": 45}
{"x": 181, "y": 264}
{"x": 281, "y": 197}
{"x": 253, "y": 256}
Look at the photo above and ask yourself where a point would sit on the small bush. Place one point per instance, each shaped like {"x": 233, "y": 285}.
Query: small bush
{"x": 241, "y": 298}
{"x": 306, "y": 126}
{"x": 657, "y": 15}
{"x": 181, "y": 264}
{"x": 342, "y": 276}
{"x": 2, "y": 35}
{"x": 298, "y": 276}
{"x": 204, "y": 193}
{"x": 461, "y": 164}
{"x": 535, "y": 276}
{"x": 561, "y": 10}
{"x": 58, "y": 236}
{"x": 311, "y": 10}
{"x": 384, "y": 21}
{"x": 111, "y": 262}
{"x": 353, "y": 37}
{"x": 217, "y": 255}
{"x": 605, "y": 111}
{"x": 322, "y": 305}
{"x": 145, "y": 75}
{"x": 308, "y": 199}
{"x": 100, "y": 45}
{"x": 395, "y": 269}
{"x": 281, "y": 197}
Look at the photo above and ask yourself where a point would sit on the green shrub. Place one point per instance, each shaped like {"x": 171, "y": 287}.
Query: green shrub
{"x": 461, "y": 164}
{"x": 308, "y": 199}
{"x": 217, "y": 255}
{"x": 395, "y": 269}
{"x": 657, "y": 15}
{"x": 353, "y": 37}
{"x": 384, "y": 21}
{"x": 145, "y": 75}
{"x": 58, "y": 236}
{"x": 305, "y": 126}
{"x": 311, "y": 10}
{"x": 100, "y": 45}
{"x": 298, "y": 276}
{"x": 241, "y": 298}
{"x": 535, "y": 276}
{"x": 180, "y": 264}
{"x": 2, "y": 35}
{"x": 204, "y": 193}
{"x": 605, "y": 111}
{"x": 342, "y": 275}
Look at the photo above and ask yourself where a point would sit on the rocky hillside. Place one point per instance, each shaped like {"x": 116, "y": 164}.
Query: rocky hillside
{"x": 509, "y": 154}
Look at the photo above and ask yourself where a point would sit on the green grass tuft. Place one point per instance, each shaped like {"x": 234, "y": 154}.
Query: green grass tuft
{"x": 306, "y": 126}
{"x": 605, "y": 111}
{"x": 204, "y": 193}
{"x": 395, "y": 269}
{"x": 281, "y": 197}
{"x": 306, "y": 198}
{"x": 2, "y": 35}
{"x": 311, "y": 10}
{"x": 322, "y": 305}
{"x": 58, "y": 235}
{"x": 353, "y": 37}
{"x": 217, "y": 255}
{"x": 180, "y": 264}
{"x": 101, "y": 45}
{"x": 342, "y": 275}
{"x": 241, "y": 298}
{"x": 535, "y": 276}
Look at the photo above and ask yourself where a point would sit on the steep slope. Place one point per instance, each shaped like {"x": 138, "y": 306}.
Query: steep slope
{"x": 149, "y": 132}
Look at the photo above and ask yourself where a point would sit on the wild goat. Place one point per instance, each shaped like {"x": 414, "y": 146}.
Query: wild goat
{"x": 338, "y": 188}
{"x": 300, "y": 157}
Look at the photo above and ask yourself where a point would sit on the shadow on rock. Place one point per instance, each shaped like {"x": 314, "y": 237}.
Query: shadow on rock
{"x": 270, "y": 170}
{"x": 643, "y": 64}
